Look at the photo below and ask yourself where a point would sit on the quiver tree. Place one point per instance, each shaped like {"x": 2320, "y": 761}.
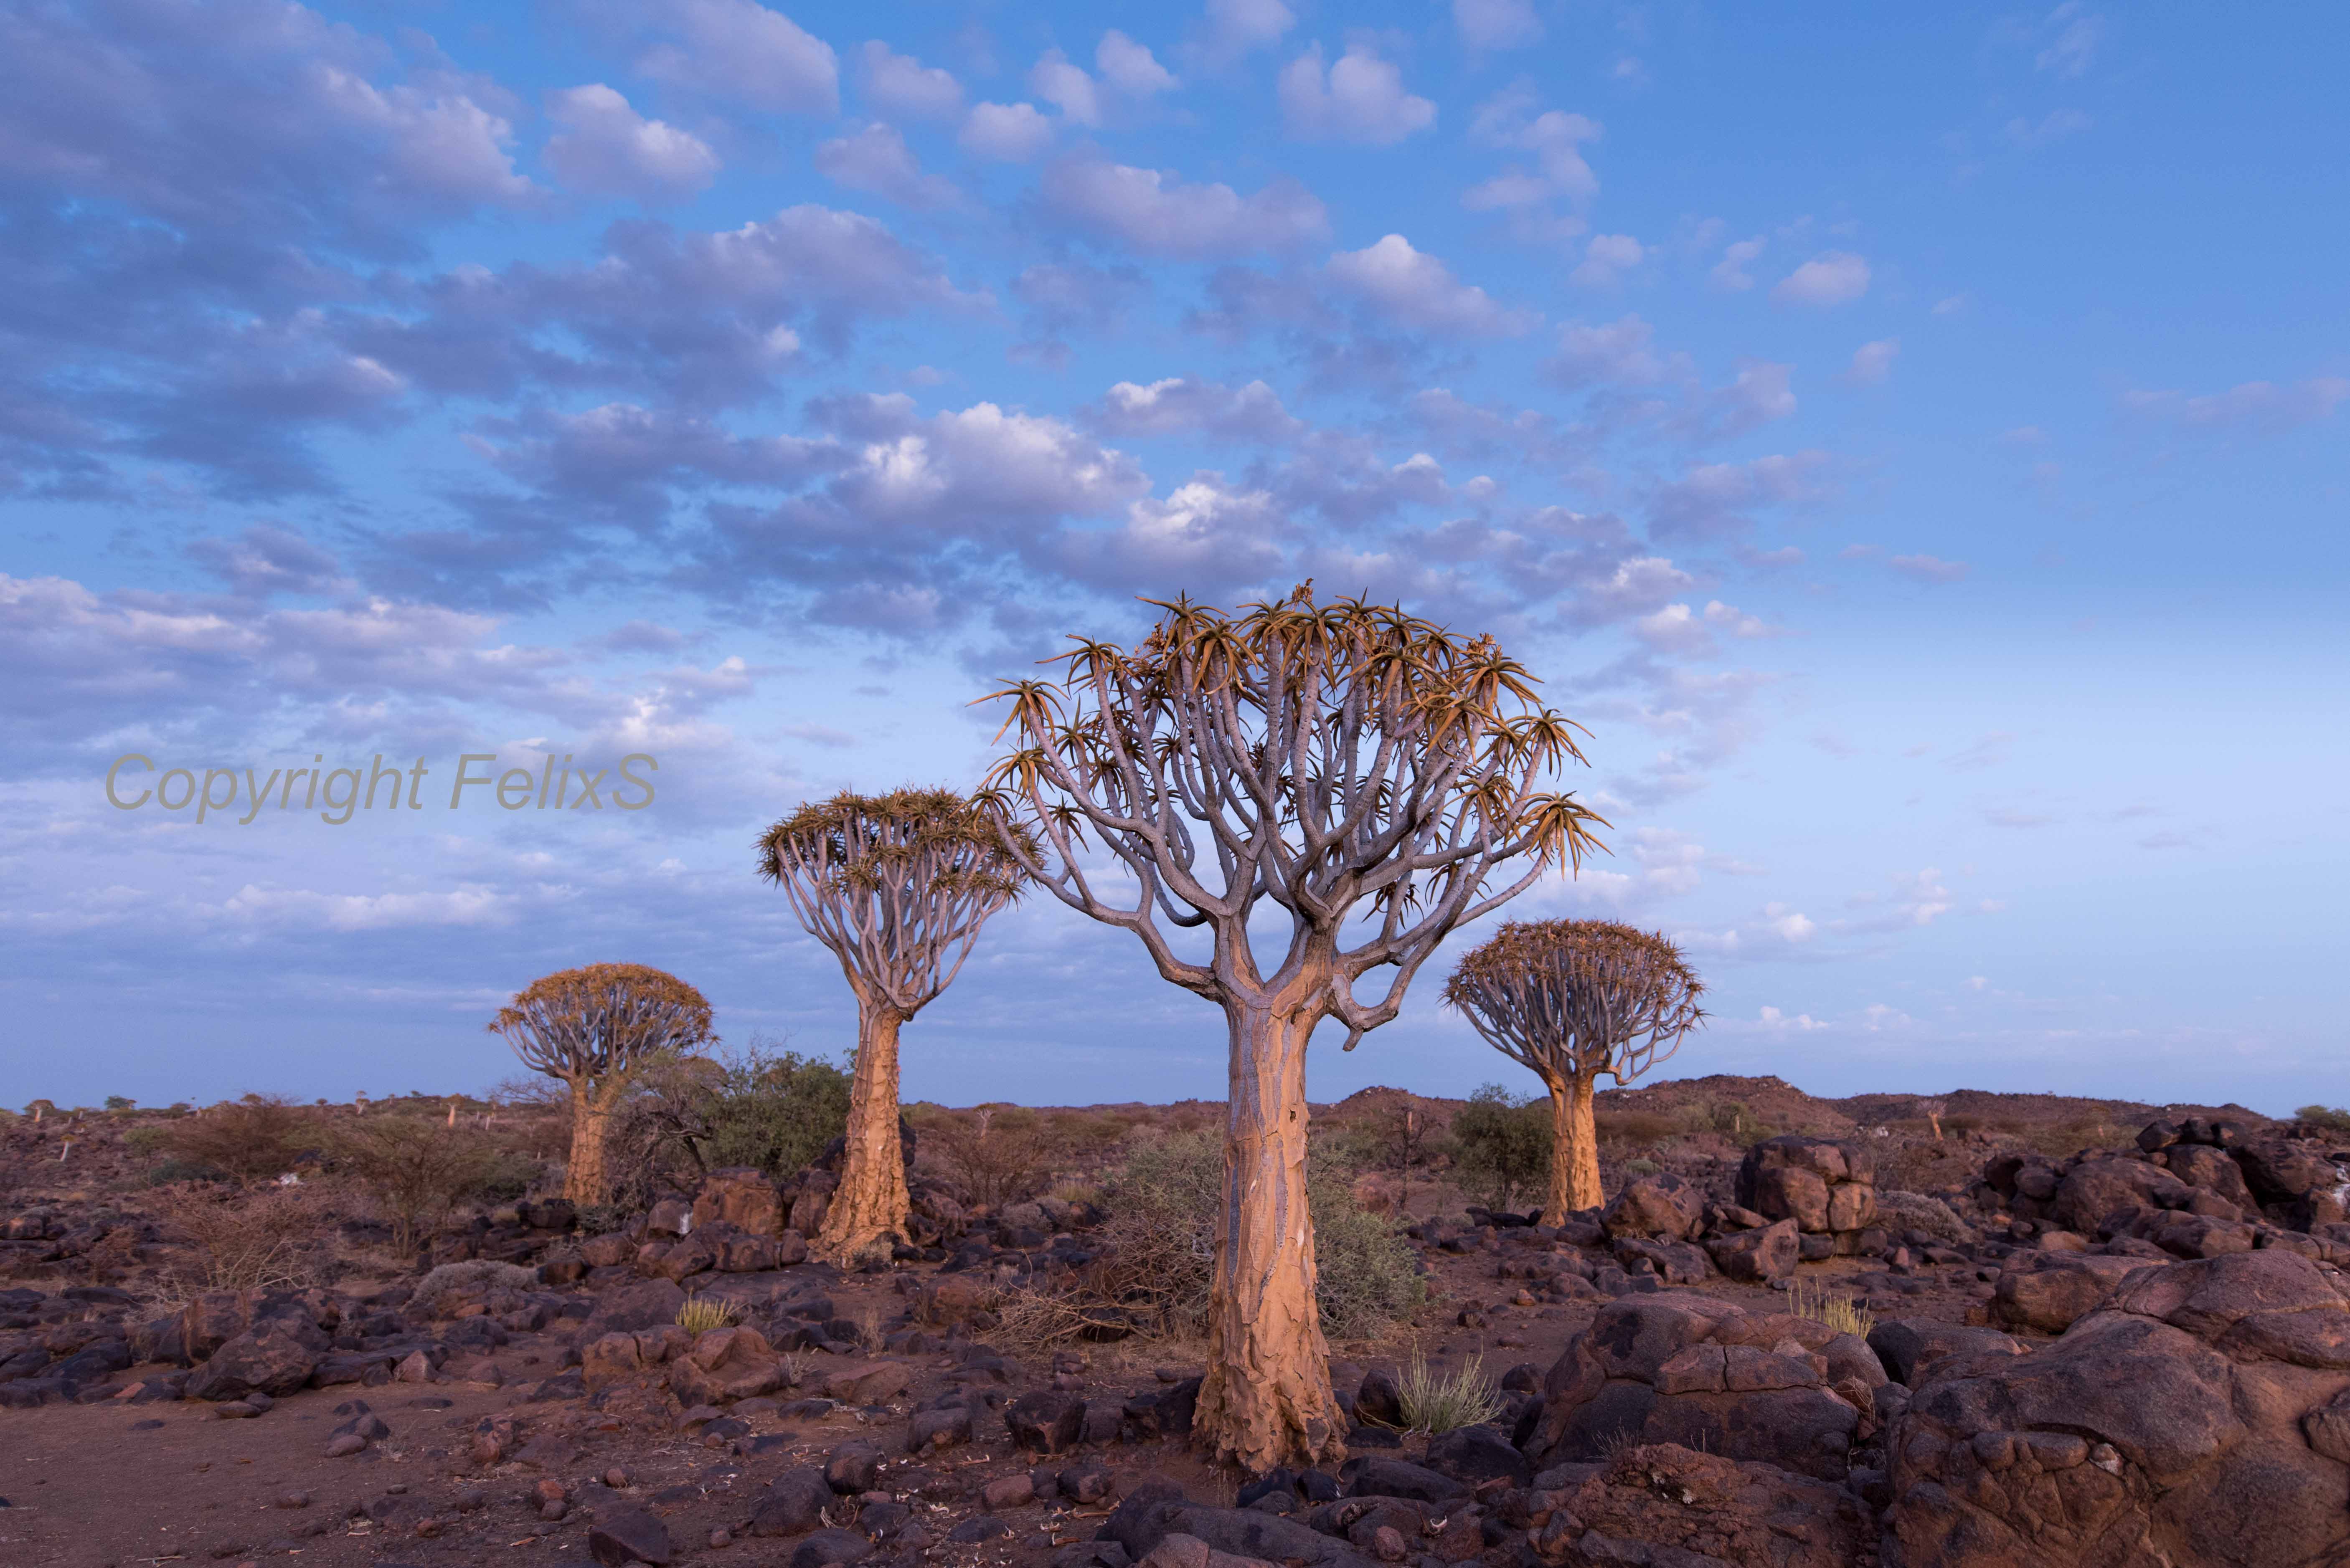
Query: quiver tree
{"x": 1571, "y": 999}
{"x": 1366, "y": 772}
{"x": 596, "y": 1028}
{"x": 898, "y": 886}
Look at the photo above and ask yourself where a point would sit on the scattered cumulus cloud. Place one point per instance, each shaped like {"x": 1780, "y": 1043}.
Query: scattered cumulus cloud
{"x": 1832, "y": 278}
{"x": 1420, "y": 291}
{"x": 608, "y": 149}
{"x": 1156, "y": 212}
{"x": 1490, "y": 25}
{"x": 1237, "y": 27}
{"x": 1131, "y": 68}
{"x": 900, "y": 84}
{"x": 1360, "y": 98}
{"x": 1872, "y": 363}
{"x": 1006, "y": 133}
{"x": 741, "y": 51}
{"x": 876, "y": 159}
{"x": 1606, "y": 259}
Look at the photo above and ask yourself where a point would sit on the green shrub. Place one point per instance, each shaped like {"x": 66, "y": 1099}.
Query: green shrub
{"x": 146, "y": 1142}
{"x": 1503, "y": 1145}
{"x": 772, "y": 1110}
{"x": 2333, "y": 1118}
{"x": 1164, "y": 1209}
{"x": 1641, "y": 1168}
{"x": 116, "y": 1102}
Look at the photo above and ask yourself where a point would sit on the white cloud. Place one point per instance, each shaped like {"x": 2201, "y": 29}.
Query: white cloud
{"x": 1496, "y": 24}
{"x": 1154, "y": 212}
{"x": 607, "y": 148}
{"x": 2262, "y": 406}
{"x": 1007, "y": 132}
{"x": 1359, "y": 99}
{"x": 901, "y": 85}
{"x": 1832, "y": 278}
{"x": 1606, "y": 259}
{"x": 1928, "y": 568}
{"x": 1131, "y": 67}
{"x": 1620, "y": 351}
{"x": 1420, "y": 291}
{"x": 1731, "y": 272}
{"x": 1066, "y": 87}
{"x": 468, "y": 904}
{"x": 1872, "y": 362}
{"x": 2076, "y": 33}
{"x": 1236, "y": 27}
{"x": 738, "y": 50}
{"x": 1779, "y": 1022}
{"x": 1556, "y": 139}
{"x": 2056, "y": 125}
{"x": 1179, "y": 404}
{"x": 876, "y": 159}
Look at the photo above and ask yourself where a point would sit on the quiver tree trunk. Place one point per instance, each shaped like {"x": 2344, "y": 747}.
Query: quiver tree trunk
{"x": 868, "y": 1211}
{"x": 1574, "y": 1150}
{"x": 1265, "y": 1400}
{"x": 584, "y": 1181}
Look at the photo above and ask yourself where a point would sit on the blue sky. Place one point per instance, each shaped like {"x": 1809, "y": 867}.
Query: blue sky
{"x": 1911, "y": 444}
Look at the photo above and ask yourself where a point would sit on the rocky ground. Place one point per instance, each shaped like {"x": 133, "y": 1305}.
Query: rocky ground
{"x": 2131, "y": 1354}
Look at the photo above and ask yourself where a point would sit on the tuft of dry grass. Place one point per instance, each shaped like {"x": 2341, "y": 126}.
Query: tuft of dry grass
{"x": 700, "y": 1315}
{"x": 1436, "y": 1402}
{"x": 1839, "y": 1312}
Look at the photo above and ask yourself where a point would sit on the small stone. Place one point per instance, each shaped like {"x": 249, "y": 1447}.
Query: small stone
{"x": 344, "y": 1447}
{"x": 555, "y": 1511}
{"x": 417, "y": 1367}
{"x": 1007, "y": 1491}
{"x": 722, "y": 1538}
{"x": 1387, "y": 1544}
{"x": 293, "y": 1500}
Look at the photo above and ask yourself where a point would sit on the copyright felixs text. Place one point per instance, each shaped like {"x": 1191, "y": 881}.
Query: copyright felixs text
{"x": 551, "y": 786}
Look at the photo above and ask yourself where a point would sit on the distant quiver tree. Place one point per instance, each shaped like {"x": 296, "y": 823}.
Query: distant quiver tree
{"x": 596, "y": 1029}
{"x": 1367, "y": 773}
{"x": 1571, "y": 999}
{"x": 898, "y": 886}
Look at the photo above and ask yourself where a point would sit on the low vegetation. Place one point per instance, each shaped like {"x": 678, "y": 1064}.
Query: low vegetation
{"x": 1435, "y": 1402}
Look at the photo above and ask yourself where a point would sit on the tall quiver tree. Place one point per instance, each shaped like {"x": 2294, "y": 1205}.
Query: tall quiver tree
{"x": 898, "y": 886}
{"x": 1571, "y": 999}
{"x": 1369, "y": 775}
{"x": 596, "y": 1028}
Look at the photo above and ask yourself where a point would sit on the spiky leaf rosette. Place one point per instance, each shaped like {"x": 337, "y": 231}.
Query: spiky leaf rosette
{"x": 898, "y": 886}
{"x": 1577, "y": 998}
{"x": 1366, "y": 770}
{"x": 602, "y": 1020}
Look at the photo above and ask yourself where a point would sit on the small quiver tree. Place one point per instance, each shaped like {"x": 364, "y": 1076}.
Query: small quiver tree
{"x": 596, "y": 1029}
{"x": 1571, "y": 999}
{"x": 1367, "y": 773}
{"x": 898, "y": 886}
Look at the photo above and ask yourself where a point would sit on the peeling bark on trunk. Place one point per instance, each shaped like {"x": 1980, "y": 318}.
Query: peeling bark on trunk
{"x": 1266, "y": 1397}
{"x": 583, "y": 1180}
{"x": 1574, "y": 1150}
{"x": 868, "y": 1211}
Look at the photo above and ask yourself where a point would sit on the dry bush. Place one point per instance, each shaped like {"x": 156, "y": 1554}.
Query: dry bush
{"x": 1155, "y": 1277}
{"x": 417, "y": 1169}
{"x": 269, "y": 1238}
{"x": 249, "y": 1139}
{"x": 996, "y": 1154}
{"x": 1635, "y": 1129}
